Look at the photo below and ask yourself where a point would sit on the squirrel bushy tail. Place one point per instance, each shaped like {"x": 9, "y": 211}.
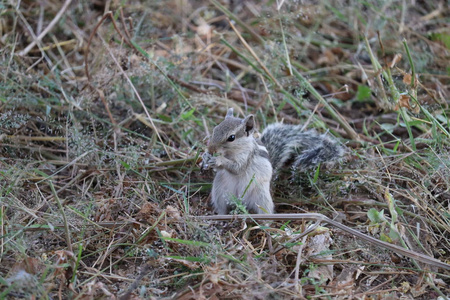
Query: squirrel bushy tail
{"x": 287, "y": 143}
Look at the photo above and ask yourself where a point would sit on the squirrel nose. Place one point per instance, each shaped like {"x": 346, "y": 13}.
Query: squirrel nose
{"x": 211, "y": 149}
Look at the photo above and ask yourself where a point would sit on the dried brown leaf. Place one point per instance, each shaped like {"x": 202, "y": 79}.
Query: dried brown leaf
{"x": 148, "y": 212}
{"x": 345, "y": 280}
{"x": 30, "y": 265}
{"x": 173, "y": 212}
{"x": 407, "y": 78}
{"x": 63, "y": 256}
{"x": 405, "y": 101}
{"x": 318, "y": 245}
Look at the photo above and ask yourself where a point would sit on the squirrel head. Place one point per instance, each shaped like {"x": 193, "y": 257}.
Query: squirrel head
{"x": 230, "y": 131}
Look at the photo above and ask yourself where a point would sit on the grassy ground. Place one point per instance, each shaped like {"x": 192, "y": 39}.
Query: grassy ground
{"x": 102, "y": 122}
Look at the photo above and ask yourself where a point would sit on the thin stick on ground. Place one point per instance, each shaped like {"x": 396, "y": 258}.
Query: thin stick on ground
{"x": 314, "y": 216}
{"x": 63, "y": 214}
{"x": 47, "y": 29}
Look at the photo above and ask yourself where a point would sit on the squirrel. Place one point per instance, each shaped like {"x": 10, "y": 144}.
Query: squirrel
{"x": 246, "y": 162}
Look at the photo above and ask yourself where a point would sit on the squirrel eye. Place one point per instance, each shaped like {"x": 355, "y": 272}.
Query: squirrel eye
{"x": 231, "y": 138}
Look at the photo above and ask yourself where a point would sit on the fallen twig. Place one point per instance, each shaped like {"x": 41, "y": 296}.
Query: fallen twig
{"x": 319, "y": 217}
{"x": 46, "y": 30}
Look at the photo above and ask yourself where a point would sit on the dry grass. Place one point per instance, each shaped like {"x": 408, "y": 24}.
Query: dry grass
{"x": 98, "y": 174}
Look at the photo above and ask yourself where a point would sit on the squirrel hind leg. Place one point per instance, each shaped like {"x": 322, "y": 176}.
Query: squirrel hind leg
{"x": 261, "y": 210}
{"x": 222, "y": 209}
{"x": 220, "y": 206}
{"x": 263, "y": 206}
{"x": 269, "y": 210}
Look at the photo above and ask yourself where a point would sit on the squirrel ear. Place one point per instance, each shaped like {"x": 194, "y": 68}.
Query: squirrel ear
{"x": 249, "y": 122}
{"x": 229, "y": 113}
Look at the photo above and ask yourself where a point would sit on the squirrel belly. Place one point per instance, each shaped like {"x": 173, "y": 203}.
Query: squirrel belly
{"x": 245, "y": 164}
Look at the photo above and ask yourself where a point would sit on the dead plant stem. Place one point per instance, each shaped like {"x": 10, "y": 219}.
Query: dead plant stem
{"x": 47, "y": 29}
{"x": 63, "y": 214}
{"x": 319, "y": 217}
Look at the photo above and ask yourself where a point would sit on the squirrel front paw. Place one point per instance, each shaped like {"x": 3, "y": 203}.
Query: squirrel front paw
{"x": 208, "y": 161}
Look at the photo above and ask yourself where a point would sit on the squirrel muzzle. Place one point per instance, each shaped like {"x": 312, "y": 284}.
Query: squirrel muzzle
{"x": 212, "y": 149}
